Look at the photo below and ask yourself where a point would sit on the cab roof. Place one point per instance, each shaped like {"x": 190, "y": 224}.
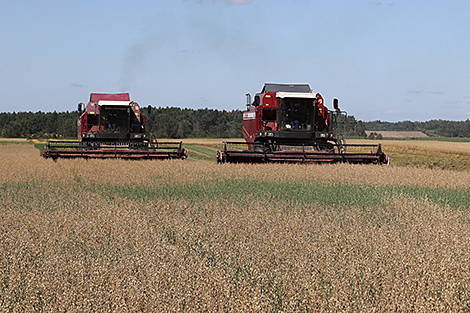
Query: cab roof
{"x": 95, "y": 97}
{"x": 270, "y": 87}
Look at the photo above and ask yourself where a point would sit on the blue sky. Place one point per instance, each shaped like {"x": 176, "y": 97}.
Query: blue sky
{"x": 384, "y": 60}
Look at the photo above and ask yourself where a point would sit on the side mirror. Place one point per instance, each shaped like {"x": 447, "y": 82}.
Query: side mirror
{"x": 248, "y": 99}
{"x": 257, "y": 100}
{"x": 79, "y": 109}
{"x": 335, "y": 104}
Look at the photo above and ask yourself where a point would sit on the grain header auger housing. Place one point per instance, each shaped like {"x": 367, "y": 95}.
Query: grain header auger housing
{"x": 112, "y": 126}
{"x": 290, "y": 124}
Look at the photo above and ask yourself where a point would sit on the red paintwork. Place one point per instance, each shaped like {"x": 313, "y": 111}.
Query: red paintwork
{"x": 253, "y": 117}
{"x": 250, "y": 124}
{"x": 95, "y": 97}
{"x": 269, "y": 101}
{"x": 323, "y": 123}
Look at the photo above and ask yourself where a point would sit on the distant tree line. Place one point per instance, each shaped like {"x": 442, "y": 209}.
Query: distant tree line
{"x": 172, "y": 122}
{"x": 348, "y": 126}
{"x": 169, "y": 122}
{"x": 38, "y": 124}
{"x": 433, "y": 128}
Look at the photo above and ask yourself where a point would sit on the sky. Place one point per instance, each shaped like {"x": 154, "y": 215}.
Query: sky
{"x": 391, "y": 60}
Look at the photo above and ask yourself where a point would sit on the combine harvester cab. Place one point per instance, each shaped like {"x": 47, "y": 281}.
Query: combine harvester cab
{"x": 112, "y": 126}
{"x": 290, "y": 124}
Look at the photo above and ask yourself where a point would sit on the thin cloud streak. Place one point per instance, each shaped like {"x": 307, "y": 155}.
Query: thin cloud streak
{"x": 75, "y": 85}
{"x": 229, "y": 2}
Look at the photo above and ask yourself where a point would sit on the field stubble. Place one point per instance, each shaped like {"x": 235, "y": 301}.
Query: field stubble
{"x": 111, "y": 235}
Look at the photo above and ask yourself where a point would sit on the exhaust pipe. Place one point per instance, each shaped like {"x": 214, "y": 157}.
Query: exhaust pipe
{"x": 248, "y": 100}
{"x": 335, "y": 105}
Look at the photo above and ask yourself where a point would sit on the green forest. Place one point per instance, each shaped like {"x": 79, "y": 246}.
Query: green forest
{"x": 432, "y": 128}
{"x": 173, "y": 122}
{"x": 168, "y": 122}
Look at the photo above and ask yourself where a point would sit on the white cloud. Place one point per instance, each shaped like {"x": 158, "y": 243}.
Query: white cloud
{"x": 380, "y": 3}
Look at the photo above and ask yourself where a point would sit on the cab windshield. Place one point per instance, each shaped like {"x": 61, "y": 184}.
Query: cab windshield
{"x": 114, "y": 118}
{"x": 297, "y": 114}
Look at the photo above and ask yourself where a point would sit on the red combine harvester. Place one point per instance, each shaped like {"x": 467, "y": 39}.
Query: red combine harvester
{"x": 112, "y": 126}
{"x": 290, "y": 124}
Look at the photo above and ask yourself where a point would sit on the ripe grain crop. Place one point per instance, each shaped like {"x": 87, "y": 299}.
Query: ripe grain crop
{"x": 191, "y": 236}
{"x": 426, "y": 153}
{"x": 442, "y": 146}
{"x": 426, "y": 145}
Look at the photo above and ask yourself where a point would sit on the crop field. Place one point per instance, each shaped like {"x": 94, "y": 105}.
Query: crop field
{"x": 398, "y": 134}
{"x": 196, "y": 236}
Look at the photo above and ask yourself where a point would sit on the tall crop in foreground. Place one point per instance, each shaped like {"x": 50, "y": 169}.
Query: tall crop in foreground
{"x": 191, "y": 236}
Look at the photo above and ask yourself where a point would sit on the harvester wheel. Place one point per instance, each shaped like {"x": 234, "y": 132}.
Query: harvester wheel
{"x": 261, "y": 147}
{"x": 325, "y": 147}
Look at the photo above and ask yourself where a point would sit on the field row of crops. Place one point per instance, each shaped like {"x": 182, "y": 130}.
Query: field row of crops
{"x": 111, "y": 235}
